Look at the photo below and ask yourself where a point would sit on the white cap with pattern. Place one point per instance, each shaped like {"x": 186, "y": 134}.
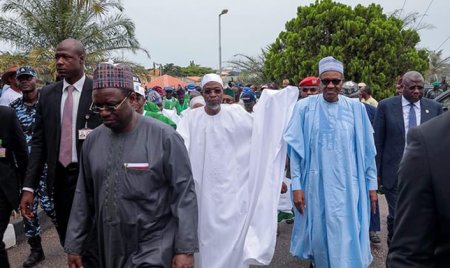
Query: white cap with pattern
{"x": 211, "y": 77}
{"x": 330, "y": 64}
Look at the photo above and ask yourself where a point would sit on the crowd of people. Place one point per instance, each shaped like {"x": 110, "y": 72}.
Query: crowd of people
{"x": 200, "y": 176}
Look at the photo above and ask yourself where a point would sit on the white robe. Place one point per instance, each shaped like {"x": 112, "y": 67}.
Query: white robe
{"x": 172, "y": 115}
{"x": 238, "y": 163}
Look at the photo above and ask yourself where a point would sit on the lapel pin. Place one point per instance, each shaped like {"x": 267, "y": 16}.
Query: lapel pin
{"x": 427, "y": 111}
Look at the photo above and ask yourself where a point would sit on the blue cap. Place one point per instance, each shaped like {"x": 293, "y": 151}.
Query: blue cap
{"x": 330, "y": 64}
{"x": 169, "y": 88}
{"x": 190, "y": 86}
{"x": 153, "y": 96}
{"x": 25, "y": 70}
{"x": 248, "y": 96}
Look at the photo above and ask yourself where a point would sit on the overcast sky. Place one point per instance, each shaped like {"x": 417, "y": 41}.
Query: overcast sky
{"x": 178, "y": 31}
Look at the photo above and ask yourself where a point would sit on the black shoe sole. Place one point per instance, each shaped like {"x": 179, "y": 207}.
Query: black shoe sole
{"x": 34, "y": 264}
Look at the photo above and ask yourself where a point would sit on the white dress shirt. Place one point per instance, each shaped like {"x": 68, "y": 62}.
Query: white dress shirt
{"x": 406, "y": 107}
{"x": 76, "y": 100}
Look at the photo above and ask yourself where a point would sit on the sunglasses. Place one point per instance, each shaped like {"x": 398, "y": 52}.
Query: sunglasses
{"x": 326, "y": 82}
{"x": 109, "y": 108}
{"x": 311, "y": 89}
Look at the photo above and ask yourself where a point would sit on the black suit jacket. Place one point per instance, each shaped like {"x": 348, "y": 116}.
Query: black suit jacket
{"x": 13, "y": 139}
{"x": 390, "y": 135}
{"x": 422, "y": 224}
{"x": 47, "y": 131}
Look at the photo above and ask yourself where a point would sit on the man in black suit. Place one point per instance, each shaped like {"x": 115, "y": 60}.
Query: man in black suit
{"x": 62, "y": 121}
{"x": 421, "y": 231}
{"x": 13, "y": 162}
{"x": 394, "y": 117}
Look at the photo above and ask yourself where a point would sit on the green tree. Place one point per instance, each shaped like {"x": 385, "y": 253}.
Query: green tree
{"x": 191, "y": 70}
{"x": 374, "y": 47}
{"x": 39, "y": 25}
{"x": 172, "y": 69}
{"x": 33, "y": 58}
{"x": 195, "y": 70}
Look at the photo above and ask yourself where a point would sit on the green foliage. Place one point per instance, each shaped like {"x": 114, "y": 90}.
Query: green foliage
{"x": 40, "y": 25}
{"x": 171, "y": 69}
{"x": 196, "y": 70}
{"x": 375, "y": 48}
{"x": 191, "y": 70}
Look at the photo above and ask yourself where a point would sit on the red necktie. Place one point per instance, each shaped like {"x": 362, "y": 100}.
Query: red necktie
{"x": 65, "y": 146}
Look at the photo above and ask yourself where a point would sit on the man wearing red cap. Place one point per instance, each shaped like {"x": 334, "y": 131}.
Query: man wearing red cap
{"x": 308, "y": 86}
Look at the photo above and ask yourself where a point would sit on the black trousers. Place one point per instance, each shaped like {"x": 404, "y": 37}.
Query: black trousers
{"x": 63, "y": 192}
{"x": 391, "y": 198}
{"x": 5, "y": 213}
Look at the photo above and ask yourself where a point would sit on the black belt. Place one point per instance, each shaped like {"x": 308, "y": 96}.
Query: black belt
{"x": 72, "y": 167}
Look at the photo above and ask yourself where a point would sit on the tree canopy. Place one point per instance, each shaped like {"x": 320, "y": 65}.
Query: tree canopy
{"x": 191, "y": 70}
{"x": 374, "y": 47}
{"x": 38, "y": 26}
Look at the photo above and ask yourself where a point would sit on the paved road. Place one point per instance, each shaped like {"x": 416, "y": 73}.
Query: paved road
{"x": 56, "y": 258}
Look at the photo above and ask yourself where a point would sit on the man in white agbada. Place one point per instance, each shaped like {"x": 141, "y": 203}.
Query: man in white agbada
{"x": 238, "y": 162}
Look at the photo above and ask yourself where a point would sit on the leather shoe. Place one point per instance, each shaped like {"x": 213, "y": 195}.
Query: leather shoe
{"x": 35, "y": 257}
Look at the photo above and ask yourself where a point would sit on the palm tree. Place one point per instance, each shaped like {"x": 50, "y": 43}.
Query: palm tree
{"x": 251, "y": 68}
{"x": 36, "y": 27}
{"x": 438, "y": 65}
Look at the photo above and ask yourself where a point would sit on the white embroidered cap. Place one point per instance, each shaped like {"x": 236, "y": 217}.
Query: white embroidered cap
{"x": 211, "y": 77}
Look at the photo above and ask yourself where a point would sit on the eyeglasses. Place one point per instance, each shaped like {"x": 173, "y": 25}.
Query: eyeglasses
{"x": 310, "y": 89}
{"x": 414, "y": 87}
{"x": 208, "y": 91}
{"x": 326, "y": 82}
{"x": 109, "y": 108}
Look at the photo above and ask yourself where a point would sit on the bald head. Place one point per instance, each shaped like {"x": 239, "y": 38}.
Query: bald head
{"x": 70, "y": 56}
{"x": 74, "y": 44}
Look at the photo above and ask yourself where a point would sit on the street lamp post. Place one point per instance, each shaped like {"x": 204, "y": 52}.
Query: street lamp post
{"x": 225, "y": 11}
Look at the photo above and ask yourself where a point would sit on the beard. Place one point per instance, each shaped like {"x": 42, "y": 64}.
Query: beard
{"x": 214, "y": 106}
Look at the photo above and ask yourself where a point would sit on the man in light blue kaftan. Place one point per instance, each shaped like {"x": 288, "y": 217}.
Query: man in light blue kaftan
{"x": 333, "y": 174}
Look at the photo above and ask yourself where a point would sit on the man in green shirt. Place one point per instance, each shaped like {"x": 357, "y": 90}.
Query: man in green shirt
{"x": 182, "y": 100}
{"x": 169, "y": 101}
